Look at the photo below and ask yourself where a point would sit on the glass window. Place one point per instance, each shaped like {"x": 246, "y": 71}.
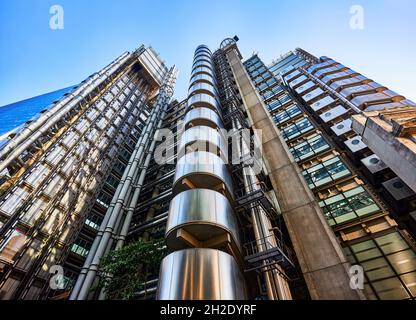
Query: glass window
{"x": 389, "y": 265}
{"x": 104, "y": 199}
{"x": 273, "y": 105}
{"x": 287, "y": 114}
{"x": 94, "y": 221}
{"x": 348, "y": 206}
{"x": 296, "y": 129}
{"x": 310, "y": 147}
{"x": 285, "y": 98}
{"x": 81, "y": 247}
{"x": 330, "y": 170}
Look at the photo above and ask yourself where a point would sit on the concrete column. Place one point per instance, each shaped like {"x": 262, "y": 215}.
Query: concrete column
{"x": 323, "y": 264}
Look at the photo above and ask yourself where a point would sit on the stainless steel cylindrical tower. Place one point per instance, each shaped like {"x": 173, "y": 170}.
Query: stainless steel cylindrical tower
{"x": 202, "y": 229}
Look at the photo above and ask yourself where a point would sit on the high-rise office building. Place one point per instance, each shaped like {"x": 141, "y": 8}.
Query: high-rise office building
{"x": 271, "y": 184}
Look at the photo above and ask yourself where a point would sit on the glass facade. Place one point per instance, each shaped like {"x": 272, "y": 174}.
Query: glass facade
{"x": 388, "y": 260}
{"x": 389, "y": 265}
{"x": 348, "y": 205}
{"x": 16, "y": 114}
{"x": 296, "y": 129}
{"x": 325, "y": 172}
{"x": 312, "y": 146}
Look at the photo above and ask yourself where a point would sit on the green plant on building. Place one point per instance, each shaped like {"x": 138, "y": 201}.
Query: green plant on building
{"x": 128, "y": 268}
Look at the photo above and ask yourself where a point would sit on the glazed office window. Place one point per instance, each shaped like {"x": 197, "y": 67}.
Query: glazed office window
{"x": 271, "y": 81}
{"x": 309, "y": 148}
{"x": 262, "y": 69}
{"x": 119, "y": 167}
{"x": 296, "y": 129}
{"x": 104, "y": 199}
{"x": 112, "y": 181}
{"x": 277, "y": 89}
{"x": 258, "y": 80}
{"x": 262, "y": 86}
{"x": 94, "y": 221}
{"x": 329, "y": 170}
{"x": 285, "y": 98}
{"x": 348, "y": 206}
{"x": 273, "y": 105}
{"x": 266, "y": 95}
{"x": 389, "y": 265}
{"x": 272, "y": 92}
{"x": 287, "y": 114}
{"x": 81, "y": 247}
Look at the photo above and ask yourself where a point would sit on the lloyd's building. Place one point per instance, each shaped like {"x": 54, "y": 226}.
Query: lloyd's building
{"x": 281, "y": 181}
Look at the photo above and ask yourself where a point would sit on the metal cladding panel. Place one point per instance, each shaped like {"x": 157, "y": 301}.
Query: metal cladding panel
{"x": 202, "y": 63}
{"x": 374, "y": 164}
{"x": 322, "y": 103}
{"x": 333, "y": 113}
{"x": 153, "y": 65}
{"x": 313, "y": 94}
{"x": 305, "y": 87}
{"x": 202, "y": 78}
{"x": 398, "y": 189}
{"x": 355, "y": 144}
{"x": 203, "y": 87}
{"x": 298, "y": 81}
{"x": 205, "y": 139}
{"x": 202, "y": 70}
{"x": 292, "y": 75}
{"x": 335, "y": 76}
{"x": 200, "y": 274}
{"x": 384, "y": 106}
{"x": 203, "y": 116}
{"x": 342, "y": 127}
{"x": 203, "y": 100}
{"x": 203, "y": 213}
{"x": 372, "y": 98}
{"x": 204, "y": 169}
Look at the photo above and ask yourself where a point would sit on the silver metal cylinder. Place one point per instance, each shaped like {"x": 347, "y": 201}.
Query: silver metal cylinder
{"x": 202, "y": 213}
{"x": 200, "y": 274}
{"x": 200, "y": 216}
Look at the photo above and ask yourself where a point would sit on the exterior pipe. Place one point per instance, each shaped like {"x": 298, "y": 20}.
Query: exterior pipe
{"x": 166, "y": 96}
{"x": 35, "y": 130}
{"x": 113, "y": 213}
{"x": 124, "y": 188}
{"x": 88, "y": 261}
{"x": 151, "y": 223}
{"x": 135, "y": 198}
{"x": 328, "y": 88}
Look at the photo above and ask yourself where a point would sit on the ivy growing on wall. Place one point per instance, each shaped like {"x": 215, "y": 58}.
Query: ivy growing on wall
{"x": 128, "y": 268}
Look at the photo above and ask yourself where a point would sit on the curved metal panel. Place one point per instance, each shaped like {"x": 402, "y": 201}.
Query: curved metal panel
{"x": 203, "y": 77}
{"x": 202, "y": 213}
{"x": 202, "y": 70}
{"x": 203, "y": 46}
{"x": 202, "y": 170}
{"x": 203, "y": 100}
{"x": 202, "y": 58}
{"x": 202, "y": 63}
{"x": 201, "y": 87}
{"x": 202, "y": 54}
{"x": 203, "y": 50}
{"x": 204, "y": 138}
{"x": 200, "y": 274}
{"x": 202, "y": 117}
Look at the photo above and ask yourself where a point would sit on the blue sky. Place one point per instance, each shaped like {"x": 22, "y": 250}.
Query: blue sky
{"x": 35, "y": 59}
